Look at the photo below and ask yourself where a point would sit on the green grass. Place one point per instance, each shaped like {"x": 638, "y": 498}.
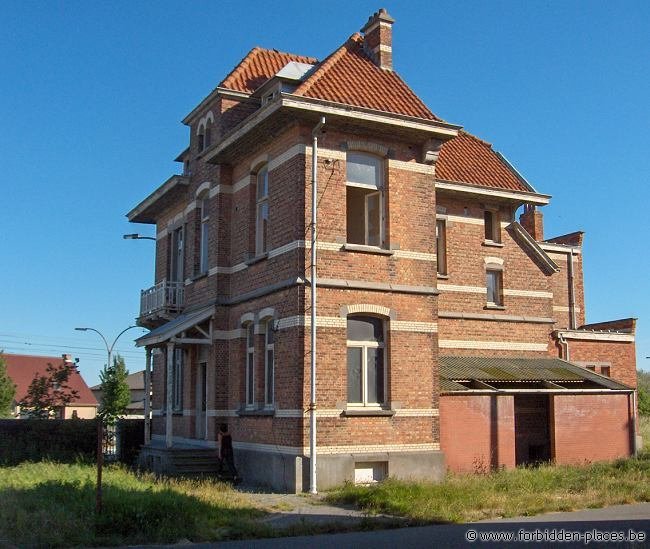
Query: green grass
{"x": 644, "y": 431}
{"x": 524, "y": 491}
{"x": 51, "y": 504}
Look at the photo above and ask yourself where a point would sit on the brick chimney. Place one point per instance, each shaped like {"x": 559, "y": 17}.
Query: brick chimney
{"x": 533, "y": 221}
{"x": 378, "y": 39}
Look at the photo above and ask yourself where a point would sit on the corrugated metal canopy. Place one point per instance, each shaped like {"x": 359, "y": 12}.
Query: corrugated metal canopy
{"x": 454, "y": 369}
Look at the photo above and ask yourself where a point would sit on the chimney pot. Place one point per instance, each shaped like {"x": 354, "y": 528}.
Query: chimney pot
{"x": 378, "y": 39}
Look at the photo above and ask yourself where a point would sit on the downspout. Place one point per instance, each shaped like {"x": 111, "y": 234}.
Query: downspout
{"x": 312, "y": 403}
{"x": 572, "y": 295}
{"x": 635, "y": 449}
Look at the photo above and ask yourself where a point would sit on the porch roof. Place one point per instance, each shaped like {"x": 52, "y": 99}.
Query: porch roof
{"x": 174, "y": 327}
{"x": 505, "y": 374}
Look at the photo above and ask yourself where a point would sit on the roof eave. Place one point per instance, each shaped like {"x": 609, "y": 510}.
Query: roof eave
{"x": 217, "y": 92}
{"x": 441, "y": 130}
{"x": 139, "y": 213}
{"x": 523, "y": 197}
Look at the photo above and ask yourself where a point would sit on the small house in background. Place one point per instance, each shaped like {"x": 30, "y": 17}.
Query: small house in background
{"x": 135, "y": 409}
{"x": 23, "y": 368}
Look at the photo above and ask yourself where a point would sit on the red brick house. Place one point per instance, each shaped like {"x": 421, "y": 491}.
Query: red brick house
{"x": 447, "y": 331}
{"x": 22, "y": 369}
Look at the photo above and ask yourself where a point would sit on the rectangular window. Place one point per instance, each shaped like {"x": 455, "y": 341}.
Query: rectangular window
{"x": 205, "y": 224}
{"x": 364, "y": 199}
{"x": 177, "y": 380}
{"x": 176, "y": 256}
{"x": 366, "y": 369}
{"x": 605, "y": 371}
{"x": 269, "y": 364}
{"x": 250, "y": 364}
{"x": 492, "y": 226}
{"x": 494, "y": 281}
{"x": 441, "y": 246}
{"x": 262, "y": 212}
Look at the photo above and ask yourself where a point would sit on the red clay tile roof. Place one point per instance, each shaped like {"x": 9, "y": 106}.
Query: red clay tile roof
{"x": 468, "y": 159}
{"x": 349, "y": 76}
{"x": 22, "y": 369}
{"x": 258, "y": 66}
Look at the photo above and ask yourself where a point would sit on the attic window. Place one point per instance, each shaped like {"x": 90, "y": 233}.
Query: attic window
{"x": 492, "y": 225}
{"x": 268, "y": 98}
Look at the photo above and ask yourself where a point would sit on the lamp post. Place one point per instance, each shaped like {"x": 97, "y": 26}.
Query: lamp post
{"x": 100, "y": 427}
{"x": 136, "y": 236}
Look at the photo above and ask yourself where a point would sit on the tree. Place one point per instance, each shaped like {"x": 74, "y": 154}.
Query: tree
{"x": 116, "y": 395}
{"x": 7, "y": 390}
{"x": 50, "y": 391}
{"x": 644, "y": 402}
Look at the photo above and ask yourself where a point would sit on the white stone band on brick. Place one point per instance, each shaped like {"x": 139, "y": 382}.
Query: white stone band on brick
{"x": 492, "y": 345}
{"x": 563, "y": 309}
{"x": 507, "y": 291}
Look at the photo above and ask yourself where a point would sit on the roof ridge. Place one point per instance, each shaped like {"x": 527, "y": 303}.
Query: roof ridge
{"x": 6, "y": 354}
{"x": 328, "y": 62}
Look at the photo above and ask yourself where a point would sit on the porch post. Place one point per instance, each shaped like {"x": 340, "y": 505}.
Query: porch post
{"x": 170, "y": 400}
{"x": 147, "y": 396}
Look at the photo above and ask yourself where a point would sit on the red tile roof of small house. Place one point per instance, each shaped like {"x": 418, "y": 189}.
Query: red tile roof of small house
{"x": 22, "y": 369}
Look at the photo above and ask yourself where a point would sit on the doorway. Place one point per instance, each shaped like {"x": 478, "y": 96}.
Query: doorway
{"x": 532, "y": 429}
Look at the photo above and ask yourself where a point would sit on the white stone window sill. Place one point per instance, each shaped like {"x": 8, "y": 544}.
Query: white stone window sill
{"x": 367, "y": 249}
{"x": 492, "y": 244}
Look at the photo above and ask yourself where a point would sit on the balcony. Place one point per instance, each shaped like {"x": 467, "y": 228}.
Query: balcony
{"x": 161, "y": 301}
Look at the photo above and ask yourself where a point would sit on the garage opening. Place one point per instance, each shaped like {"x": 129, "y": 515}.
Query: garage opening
{"x": 532, "y": 429}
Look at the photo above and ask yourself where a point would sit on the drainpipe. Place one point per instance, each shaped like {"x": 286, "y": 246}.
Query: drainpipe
{"x": 635, "y": 449}
{"x": 312, "y": 403}
{"x": 572, "y": 295}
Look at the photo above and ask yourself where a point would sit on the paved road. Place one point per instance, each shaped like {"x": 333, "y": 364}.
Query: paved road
{"x": 584, "y": 526}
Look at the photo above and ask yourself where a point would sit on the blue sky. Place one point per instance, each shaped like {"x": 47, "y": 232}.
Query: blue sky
{"x": 92, "y": 94}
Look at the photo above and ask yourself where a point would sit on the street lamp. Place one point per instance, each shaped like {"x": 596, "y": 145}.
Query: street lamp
{"x": 109, "y": 350}
{"x": 100, "y": 427}
{"x": 136, "y": 236}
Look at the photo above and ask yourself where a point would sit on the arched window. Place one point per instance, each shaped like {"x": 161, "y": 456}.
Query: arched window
{"x": 262, "y": 211}
{"x": 365, "y": 199}
{"x": 366, "y": 360}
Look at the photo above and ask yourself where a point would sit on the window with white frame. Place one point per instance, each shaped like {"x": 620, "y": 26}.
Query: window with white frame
{"x": 494, "y": 282}
{"x": 177, "y": 380}
{"x": 366, "y": 361}
{"x": 441, "y": 246}
{"x": 205, "y": 228}
{"x": 262, "y": 212}
{"x": 365, "y": 199}
{"x": 269, "y": 363}
{"x": 250, "y": 364}
{"x": 176, "y": 255}
{"x": 492, "y": 225}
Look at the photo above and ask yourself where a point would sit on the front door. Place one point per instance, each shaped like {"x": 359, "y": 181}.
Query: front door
{"x": 201, "y": 400}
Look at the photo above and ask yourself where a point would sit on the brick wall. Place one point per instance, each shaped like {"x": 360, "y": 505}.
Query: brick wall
{"x": 591, "y": 427}
{"x": 477, "y": 433}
